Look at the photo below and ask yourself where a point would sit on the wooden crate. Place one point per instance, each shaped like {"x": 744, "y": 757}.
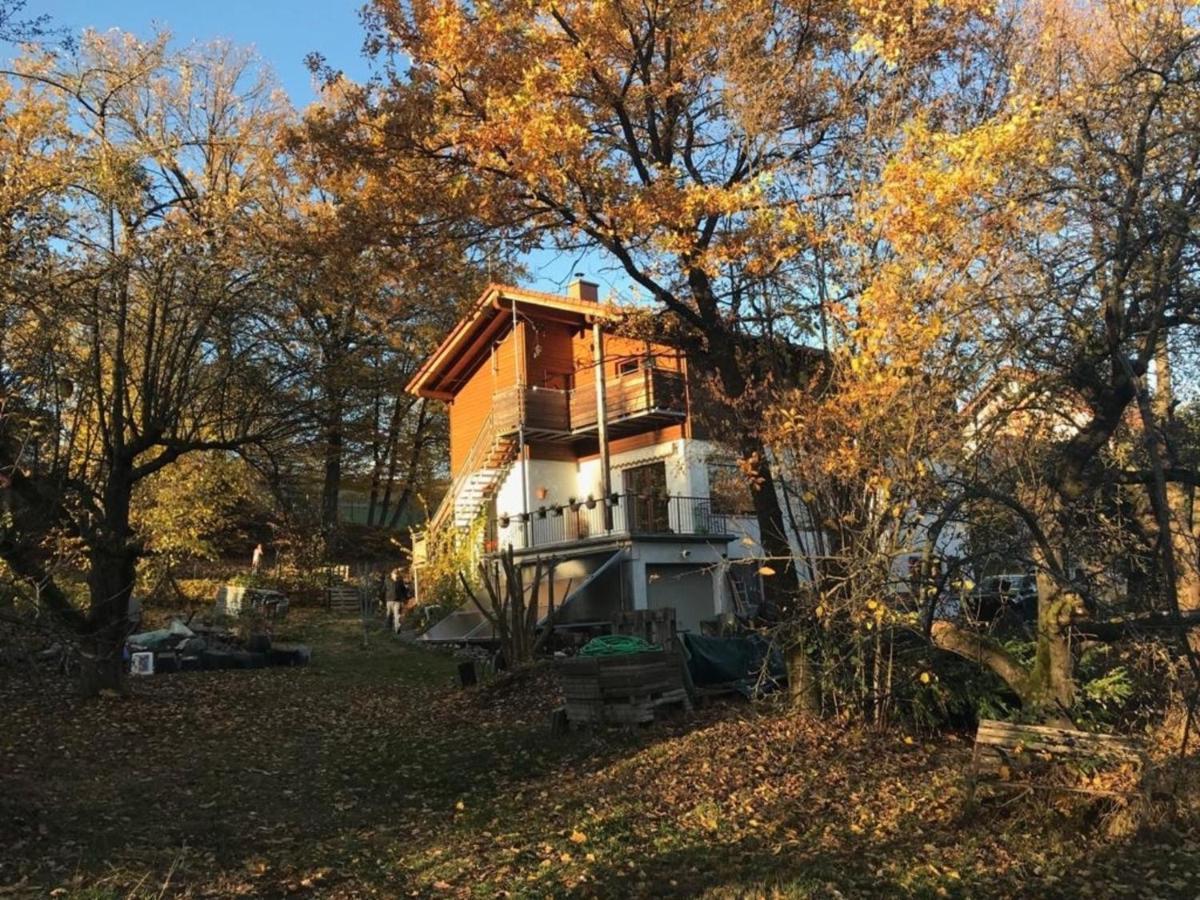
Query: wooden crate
{"x": 343, "y": 598}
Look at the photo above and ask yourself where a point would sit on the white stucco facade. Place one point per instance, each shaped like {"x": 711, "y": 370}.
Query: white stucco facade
{"x": 684, "y": 567}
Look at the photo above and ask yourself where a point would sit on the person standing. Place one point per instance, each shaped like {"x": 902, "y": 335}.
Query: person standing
{"x": 396, "y": 598}
{"x": 256, "y": 559}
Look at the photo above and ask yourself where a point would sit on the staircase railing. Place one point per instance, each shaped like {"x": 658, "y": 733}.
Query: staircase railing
{"x": 485, "y": 442}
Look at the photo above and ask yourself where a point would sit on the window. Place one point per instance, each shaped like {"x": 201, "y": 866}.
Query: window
{"x": 633, "y": 364}
{"x": 729, "y": 489}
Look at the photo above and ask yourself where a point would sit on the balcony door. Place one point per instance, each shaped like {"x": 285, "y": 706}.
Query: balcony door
{"x": 646, "y": 488}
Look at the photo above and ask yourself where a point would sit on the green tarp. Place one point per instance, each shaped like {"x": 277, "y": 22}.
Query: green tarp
{"x": 738, "y": 661}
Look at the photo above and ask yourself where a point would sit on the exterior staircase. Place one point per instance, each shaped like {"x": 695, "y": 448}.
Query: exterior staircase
{"x": 343, "y": 598}
{"x": 487, "y": 464}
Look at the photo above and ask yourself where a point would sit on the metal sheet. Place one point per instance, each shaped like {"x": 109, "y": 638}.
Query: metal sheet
{"x": 592, "y": 593}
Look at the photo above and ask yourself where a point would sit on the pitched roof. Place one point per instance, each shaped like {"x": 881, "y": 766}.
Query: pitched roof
{"x": 488, "y": 319}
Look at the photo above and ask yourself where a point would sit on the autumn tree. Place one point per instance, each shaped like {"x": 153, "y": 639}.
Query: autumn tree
{"x": 140, "y": 331}
{"x": 202, "y": 507}
{"x": 373, "y": 271}
{"x": 1048, "y": 247}
{"x": 703, "y": 147}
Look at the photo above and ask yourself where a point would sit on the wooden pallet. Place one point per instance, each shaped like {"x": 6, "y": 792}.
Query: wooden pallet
{"x": 1004, "y": 750}
{"x": 656, "y": 626}
{"x": 621, "y": 690}
{"x": 632, "y": 711}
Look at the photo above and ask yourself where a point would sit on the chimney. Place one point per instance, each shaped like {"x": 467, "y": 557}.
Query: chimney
{"x": 583, "y": 290}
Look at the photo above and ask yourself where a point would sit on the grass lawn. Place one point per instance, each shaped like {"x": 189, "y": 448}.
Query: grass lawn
{"x": 369, "y": 774}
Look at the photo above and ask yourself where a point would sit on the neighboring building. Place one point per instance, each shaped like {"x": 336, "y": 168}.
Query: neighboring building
{"x": 578, "y": 444}
{"x": 354, "y": 508}
{"x": 1012, "y": 414}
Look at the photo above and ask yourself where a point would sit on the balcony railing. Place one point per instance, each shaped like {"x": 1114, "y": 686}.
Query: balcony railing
{"x": 539, "y": 409}
{"x": 639, "y": 393}
{"x": 636, "y": 515}
{"x": 649, "y": 395}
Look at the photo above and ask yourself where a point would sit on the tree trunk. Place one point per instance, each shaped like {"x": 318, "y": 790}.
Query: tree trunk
{"x": 384, "y": 476}
{"x": 769, "y": 513}
{"x": 803, "y": 690}
{"x": 1048, "y": 688}
{"x": 726, "y": 355}
{"x": 111, "y": 576}
{"x": 1052, "y": 681}
{"x": 780, "y": 589}
{"x": 1051, "y": 693}
{"x": 983, "y": 651}
{"x": 378, "y": 453}
{"x": 1180, "y": 498}
{"x": 417, "y": 447}
{"x": 1180, "y": 502}
{"x": 332, "y": 484}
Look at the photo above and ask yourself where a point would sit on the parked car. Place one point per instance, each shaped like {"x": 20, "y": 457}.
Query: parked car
{"x": 1011, "y": 593}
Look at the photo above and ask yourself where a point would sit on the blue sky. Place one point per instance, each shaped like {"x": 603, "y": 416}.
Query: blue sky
{"x": 283, "y": 32}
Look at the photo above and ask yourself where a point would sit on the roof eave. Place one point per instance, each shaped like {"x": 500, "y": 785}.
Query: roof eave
{"x": 423, "y": 382}
{"x": 418, "y": 384}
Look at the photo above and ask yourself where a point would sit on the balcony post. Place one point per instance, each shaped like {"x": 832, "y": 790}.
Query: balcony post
{"x": 602, "y": 423}
{"x": 519, "y": 363}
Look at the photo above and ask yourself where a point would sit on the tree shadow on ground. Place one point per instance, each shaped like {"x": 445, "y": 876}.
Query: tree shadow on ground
{"x": 250, "y": 768}
{"x": 373, "y": 775}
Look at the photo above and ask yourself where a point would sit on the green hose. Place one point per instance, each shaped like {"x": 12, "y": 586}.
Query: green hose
{"x": 616, "y": 645}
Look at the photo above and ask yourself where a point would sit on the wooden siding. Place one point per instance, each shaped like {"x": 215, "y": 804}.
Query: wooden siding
{"x": 553, "y": 450}
{"x": 470, "y": 407}
{"x": 548, "y": 352}
{"x": 643, "y": 391}
{"x": 638, "y": 441}
{"x": 618, "y": 347}
{"x": 552, "y": 351}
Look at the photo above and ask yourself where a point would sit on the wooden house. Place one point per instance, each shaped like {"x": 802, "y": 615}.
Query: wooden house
{"x": 571, "y": 441}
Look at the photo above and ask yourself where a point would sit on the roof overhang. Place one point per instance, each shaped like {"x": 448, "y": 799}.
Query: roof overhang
{"x": 488, "y": 320}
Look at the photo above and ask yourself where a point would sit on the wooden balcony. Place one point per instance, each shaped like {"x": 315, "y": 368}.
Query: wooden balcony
{"x": 647, "y": 398}
{"x": 544, "y": 412}
{"x": 639, "y": 401}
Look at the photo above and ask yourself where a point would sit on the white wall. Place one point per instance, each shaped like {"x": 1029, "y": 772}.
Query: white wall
{"x": 559, "y": 478}
{"x": 684, "y": 462}
{"x": 686, "y": 465}
{"x": 708, "y": 556}
{"x": 678, "y": 457}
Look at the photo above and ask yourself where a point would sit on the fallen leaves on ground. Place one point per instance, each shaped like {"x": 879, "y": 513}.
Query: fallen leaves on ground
{"x": 370, "y": 774}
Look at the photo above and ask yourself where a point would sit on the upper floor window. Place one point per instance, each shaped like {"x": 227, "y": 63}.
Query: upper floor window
{"x": 634, "y": 364}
